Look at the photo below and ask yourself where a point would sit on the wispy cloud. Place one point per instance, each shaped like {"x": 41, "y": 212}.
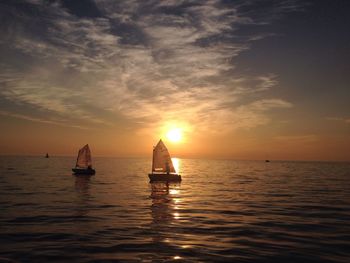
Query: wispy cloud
{"x": 148, "y": 61}
{"x": 339, "y": 119}
{"x": 298, "y": 139}
{"x": 40, "y": 120}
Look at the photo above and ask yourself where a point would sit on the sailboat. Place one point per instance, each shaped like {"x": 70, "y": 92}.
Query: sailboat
{"x": 47, "y": 155}
{"x": 84, "y": 163}
{"x": 162, "y": 166}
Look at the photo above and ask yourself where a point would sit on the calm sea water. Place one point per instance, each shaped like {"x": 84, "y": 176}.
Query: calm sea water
{"x": 223, "y": 211}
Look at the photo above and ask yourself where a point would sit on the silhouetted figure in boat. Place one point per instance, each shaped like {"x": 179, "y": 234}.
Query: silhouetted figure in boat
{"x": 167, "y": 168}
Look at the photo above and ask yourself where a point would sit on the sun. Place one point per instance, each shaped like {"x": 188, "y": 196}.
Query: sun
{"x": 174, "y": 135}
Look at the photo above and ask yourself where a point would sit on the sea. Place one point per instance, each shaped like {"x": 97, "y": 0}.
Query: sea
{"x": 222, "y": 211}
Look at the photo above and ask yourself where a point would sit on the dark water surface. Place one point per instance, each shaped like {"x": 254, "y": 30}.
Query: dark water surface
{"x": 223, "y": 211}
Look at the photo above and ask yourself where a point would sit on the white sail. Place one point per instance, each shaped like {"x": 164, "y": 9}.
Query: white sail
{"x": 161, "y": 159}
{"x": 84, "y": 157}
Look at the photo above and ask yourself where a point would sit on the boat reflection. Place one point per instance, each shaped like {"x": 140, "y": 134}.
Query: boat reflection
{"x": 163, "y": 210}
{"x": 160, "y": 208}
{"x": 82, "y": 184}
{"x": 82, "y": 188}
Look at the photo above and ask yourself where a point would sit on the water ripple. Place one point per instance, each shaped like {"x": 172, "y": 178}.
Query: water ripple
{"x": 231, "y": 212}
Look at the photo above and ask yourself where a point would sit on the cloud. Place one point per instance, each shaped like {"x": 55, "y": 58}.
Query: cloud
{"x": 339, "y": 119}
{"x": 148, "y": 61}
{"x": 298, "y": 139}
{"x": 40, "y": 120}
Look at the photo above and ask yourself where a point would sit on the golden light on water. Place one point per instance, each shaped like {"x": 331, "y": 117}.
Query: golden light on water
{"x": 176, "y": 215}
{"x": 174, "y": 191}
{"x": 176, "y": 200}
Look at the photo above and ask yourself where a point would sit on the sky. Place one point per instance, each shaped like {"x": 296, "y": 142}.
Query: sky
{"x": 238, "y": 79}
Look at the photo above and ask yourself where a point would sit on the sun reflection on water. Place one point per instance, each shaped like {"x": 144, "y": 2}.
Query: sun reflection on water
{"x": 165, "y": 211}
{"x": 174, "y": 191}
{"x": 176, "y": 163}
{"x": 176, "y": 215}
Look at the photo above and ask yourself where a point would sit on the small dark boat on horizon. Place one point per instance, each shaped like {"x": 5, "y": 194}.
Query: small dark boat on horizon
{"x": 267, "y": 161}
{"x": 162, "y": 166}
{"x": 83, "y": 165}
{"x": 47, "y": 155}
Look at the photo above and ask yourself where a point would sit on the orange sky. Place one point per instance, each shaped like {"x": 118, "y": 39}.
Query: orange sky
{"x": 239, "y": 81}
{"x": 24, "y": 137}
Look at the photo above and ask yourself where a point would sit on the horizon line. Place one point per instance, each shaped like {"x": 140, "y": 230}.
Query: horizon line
{"x": 194, "y": 158}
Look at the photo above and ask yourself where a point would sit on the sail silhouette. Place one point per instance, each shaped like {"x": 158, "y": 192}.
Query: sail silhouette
{"x": 84, "y": 157}
{"x": 161, "y": 159}
{"x": 162, "y": 165}
{"x": 84, "y": 162}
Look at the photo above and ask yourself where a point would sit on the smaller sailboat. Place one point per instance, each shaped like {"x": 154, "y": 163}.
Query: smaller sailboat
{"x": 162, "y": 165}
{"x": 47, "y": 155}
{"x": 84, "y": 163}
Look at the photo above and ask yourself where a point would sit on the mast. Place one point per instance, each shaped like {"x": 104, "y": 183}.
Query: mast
{"x": 76, "y": 163}
{"x": 153, "y": 159}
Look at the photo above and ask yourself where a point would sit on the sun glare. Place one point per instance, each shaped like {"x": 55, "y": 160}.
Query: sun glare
{"x": 176, "y": 163}
{"x": 174, "y": 135}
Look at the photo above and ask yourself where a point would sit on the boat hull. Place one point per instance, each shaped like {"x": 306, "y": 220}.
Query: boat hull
{"x": 163, "y": 177}
{"x": 79, "y": 171}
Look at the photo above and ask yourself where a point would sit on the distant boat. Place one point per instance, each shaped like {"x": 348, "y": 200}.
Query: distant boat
{"x": 267, "y": 161}
{"x": 47, "y": 155}
{"x": 162, "y": 166}
{"x": 84, "y": 163}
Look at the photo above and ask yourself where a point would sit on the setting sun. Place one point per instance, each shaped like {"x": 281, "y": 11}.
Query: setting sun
{"x": 174, "y": 135}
